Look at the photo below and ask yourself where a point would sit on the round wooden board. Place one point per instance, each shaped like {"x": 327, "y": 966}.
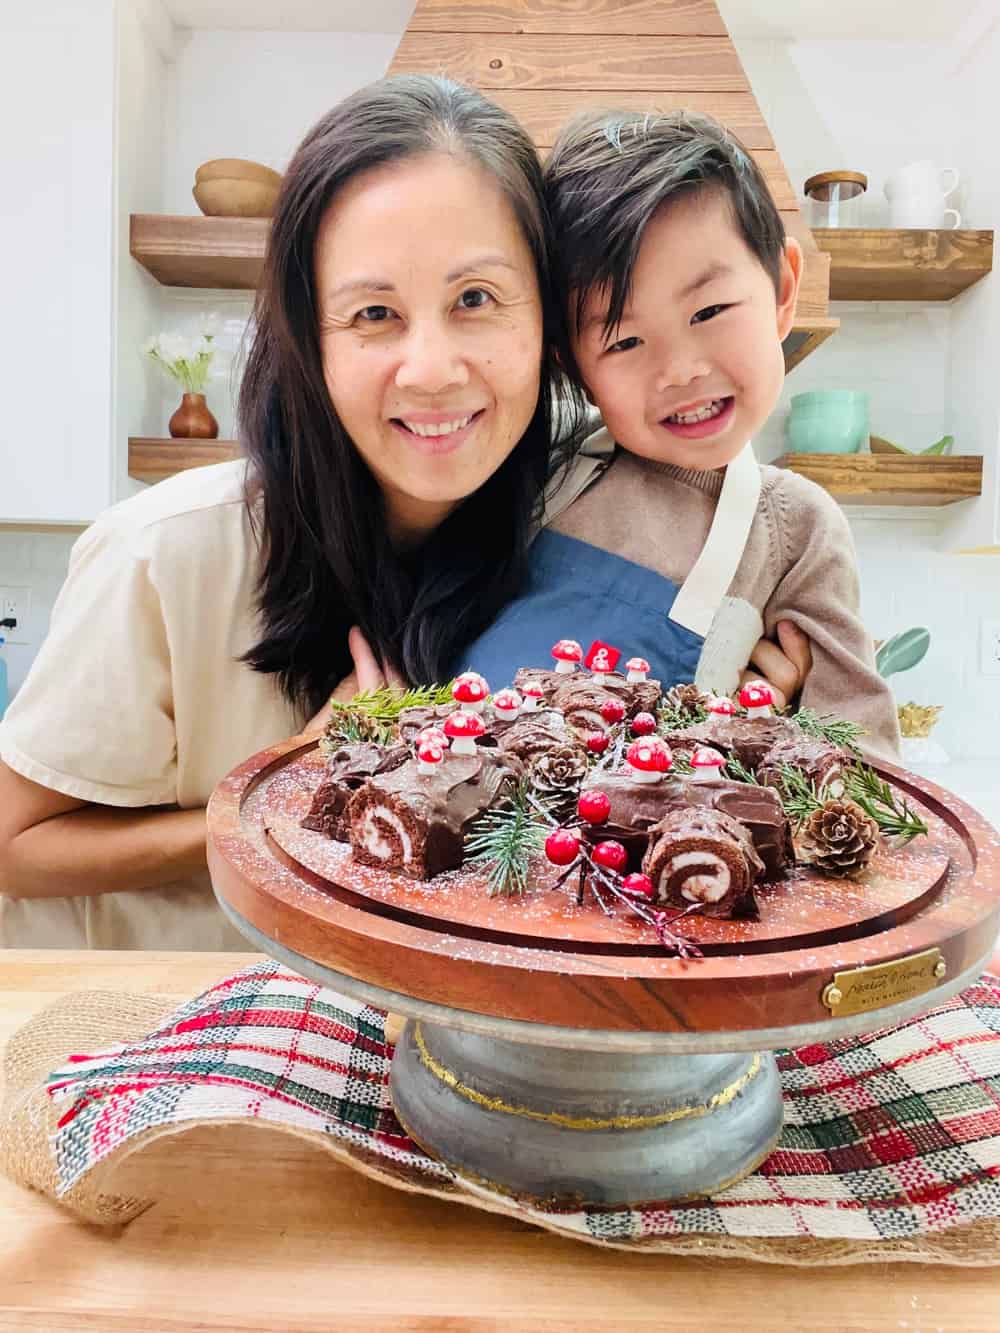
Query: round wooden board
{"x": 545, "y": 959}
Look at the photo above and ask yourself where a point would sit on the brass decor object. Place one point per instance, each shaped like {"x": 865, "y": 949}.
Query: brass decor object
{"x": 860, "y": 989}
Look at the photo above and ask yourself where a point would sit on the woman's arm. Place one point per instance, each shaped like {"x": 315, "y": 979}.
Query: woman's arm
{"x": 54, "y": 846}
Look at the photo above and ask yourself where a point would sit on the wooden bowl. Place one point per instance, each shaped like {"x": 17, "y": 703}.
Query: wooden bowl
{"x": 229, "y": 187}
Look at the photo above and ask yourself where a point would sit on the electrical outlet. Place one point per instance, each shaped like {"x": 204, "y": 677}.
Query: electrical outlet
{"x": 989, "y": 648}
{"x": 16, "y": 603}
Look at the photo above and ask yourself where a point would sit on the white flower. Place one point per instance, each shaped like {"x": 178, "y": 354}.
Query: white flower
{"x": 175, "y": 347}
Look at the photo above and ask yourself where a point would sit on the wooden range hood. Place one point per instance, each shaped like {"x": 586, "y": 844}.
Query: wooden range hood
{"x": 544, "y": 60}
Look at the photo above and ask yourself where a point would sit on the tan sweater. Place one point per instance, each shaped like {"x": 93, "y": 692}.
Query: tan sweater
{"x": 798, "y": 564}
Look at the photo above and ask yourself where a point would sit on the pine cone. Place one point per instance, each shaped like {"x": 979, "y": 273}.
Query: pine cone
{"x": 688, "y": 701}
{"x": 555, "y": 778}
{"x": 838, "y": 839}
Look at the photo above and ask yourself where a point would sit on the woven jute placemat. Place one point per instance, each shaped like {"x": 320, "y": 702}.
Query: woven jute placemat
{"x": 890, "y": 1152}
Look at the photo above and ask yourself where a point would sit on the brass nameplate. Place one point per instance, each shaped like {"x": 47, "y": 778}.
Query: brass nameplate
{"x": 863, "y": 988}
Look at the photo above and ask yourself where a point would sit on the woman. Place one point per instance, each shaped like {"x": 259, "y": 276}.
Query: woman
{"x": 395, "y": 412}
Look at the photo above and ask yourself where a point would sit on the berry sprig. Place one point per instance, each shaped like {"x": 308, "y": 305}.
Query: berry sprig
{"x": 600, "y": 871}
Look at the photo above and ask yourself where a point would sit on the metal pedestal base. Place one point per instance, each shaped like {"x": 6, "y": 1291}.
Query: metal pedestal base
{"x": 570, "y": 1127}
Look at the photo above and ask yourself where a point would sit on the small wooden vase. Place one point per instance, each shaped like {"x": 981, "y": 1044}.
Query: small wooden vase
{"x": 193, "y": 420}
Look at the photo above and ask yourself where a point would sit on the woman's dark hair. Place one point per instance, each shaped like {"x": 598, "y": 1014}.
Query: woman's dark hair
{"x": 610, "y": 172}
{"x": 327, "y": 562}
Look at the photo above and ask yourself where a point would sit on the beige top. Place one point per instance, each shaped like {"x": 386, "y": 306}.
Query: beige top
{"x": 162, "y": 587}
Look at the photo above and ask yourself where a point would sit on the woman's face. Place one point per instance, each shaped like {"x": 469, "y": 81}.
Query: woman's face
{"x": 430, "y": 324}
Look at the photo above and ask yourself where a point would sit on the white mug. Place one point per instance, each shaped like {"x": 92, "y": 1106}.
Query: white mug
{"x": 922, "y": 178}
{"x": 919, "y": 210}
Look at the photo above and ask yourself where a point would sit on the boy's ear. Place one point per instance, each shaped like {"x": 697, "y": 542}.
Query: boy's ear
{"x": 788, "y": 285}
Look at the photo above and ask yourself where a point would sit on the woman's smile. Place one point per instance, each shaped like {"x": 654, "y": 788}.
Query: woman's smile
{"x": 435, "y": 434}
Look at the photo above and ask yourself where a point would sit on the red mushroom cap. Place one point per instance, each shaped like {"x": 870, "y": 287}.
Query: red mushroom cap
{"x": 705, "y": 757}
{"x": 463, "y": 724}
{"x": 431, "y": 736}
{"x": 722, "y": 707}
{"x": 756, "y": 694}
{"x": 428, "y": 753}
{"x": 650, "y": 754}
{"x": 506, "y": 701}
{"x": 567, "y": 650}
{"x": 533, "y": 692}
{"x": 636, "y": 664}
{"x": 470, "y": 688}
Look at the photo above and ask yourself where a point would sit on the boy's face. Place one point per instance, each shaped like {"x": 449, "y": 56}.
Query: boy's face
{"x": 695, "y": 367}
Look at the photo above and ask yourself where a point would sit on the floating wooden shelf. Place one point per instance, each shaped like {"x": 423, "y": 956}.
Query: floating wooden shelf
{"x": 152, "y": 460}
{"x": 895, "y": 265}
{"x": 890, "y": 479}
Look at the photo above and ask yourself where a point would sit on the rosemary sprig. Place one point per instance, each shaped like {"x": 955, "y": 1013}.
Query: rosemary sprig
{"x": 506, "y": 839}
{"x": 676, "y": 719}
{"x": 798, "y": 795}
{"x": 826, "y": 727}
{"x": 372, "y": 715}
{"x": 894, "y": 816}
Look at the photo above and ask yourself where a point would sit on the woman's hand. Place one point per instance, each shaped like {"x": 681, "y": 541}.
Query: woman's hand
{"x": 368, "y": 674}
{"x": 784, "y": 665}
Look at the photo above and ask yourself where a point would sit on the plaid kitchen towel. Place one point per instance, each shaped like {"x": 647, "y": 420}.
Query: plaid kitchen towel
{"x": 892, "y": 1137}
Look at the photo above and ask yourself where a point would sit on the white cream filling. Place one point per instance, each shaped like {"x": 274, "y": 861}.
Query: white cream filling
{"x": 700, "y": 888}
{"x": 373, "y": 839}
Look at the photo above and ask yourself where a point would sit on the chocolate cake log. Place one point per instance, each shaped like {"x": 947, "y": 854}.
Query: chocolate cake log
{"x": 749, "y": 739}
{"x": 706, "y": 857}
{"x": 547, "y": 681}
{"x": 346, "y": 770}
{"x": 759, "y": 809}
{"x": 411, "y": 721}
{"x": 415, "y": 822}
{"x": 533, "y": 734}
{"x": 580, "y": 697}
{"x": 821, "y": 762}
{"x": 635, "y": 808}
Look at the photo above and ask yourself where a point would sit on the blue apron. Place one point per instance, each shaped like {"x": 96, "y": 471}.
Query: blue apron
{"x": 578, "y": 591}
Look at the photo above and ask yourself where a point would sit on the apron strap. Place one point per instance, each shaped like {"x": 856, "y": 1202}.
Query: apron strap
{"x": 703, "y": 590}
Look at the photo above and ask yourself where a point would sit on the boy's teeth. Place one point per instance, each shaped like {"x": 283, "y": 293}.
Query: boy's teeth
{"x": 438, "y": 428}
{"x": 703, "y": 413}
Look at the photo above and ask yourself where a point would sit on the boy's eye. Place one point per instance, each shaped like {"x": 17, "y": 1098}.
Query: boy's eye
{"x": 474, "y": 298}
{"x": 709, "y": 312}
{"x": 374, "y": 314}
{"x": 624, "y": 345}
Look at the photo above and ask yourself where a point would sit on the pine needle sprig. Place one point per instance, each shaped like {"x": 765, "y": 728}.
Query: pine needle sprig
{"x": 372, "y": 715}
{"x": 505, "y": 839}
{"x": 671, "y": 718}
{"x": 739, "y": 772}
{"x": 798, "y": 795}
{"x": 826, "y": 727}
{"x": 681, "y": 763}
{"x": 894, "y": 816}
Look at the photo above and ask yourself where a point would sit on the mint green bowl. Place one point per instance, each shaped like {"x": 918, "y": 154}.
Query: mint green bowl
{"x": 828, "y": 421}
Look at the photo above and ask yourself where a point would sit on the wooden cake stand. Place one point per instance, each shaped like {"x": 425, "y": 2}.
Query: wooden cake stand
{"x": 557, "y": 1054}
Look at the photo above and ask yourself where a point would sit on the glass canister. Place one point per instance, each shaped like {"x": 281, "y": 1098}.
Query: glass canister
{"x": 835, "y": 198}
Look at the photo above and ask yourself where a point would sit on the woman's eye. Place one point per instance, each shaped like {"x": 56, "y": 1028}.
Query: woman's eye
{"x": 624, "y": 345}
{"x": 474, "y": 299}
{"x": 374, "y": 314}
{"x": 709, "y": 312}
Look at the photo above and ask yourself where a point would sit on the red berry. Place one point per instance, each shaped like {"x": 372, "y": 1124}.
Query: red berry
{"x": 643, "y": 724}
{"x": 597, "y": 742}
{"x": 594, "y": 806}
{"x": 562, "y": 847}
{"x": 610, "y": 855}
{"x": 639, "y": 885}
{"x": 612, "y": 710}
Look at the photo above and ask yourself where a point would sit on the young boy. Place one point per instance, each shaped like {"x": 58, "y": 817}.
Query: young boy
{"x": 679, "y": 285}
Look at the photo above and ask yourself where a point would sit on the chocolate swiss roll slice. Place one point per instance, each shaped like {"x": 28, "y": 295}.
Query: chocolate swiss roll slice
{"x": 820, "y": 762}
{"x": 759, "y": 809}
{"x": 414, "y": 822}
{"x": 706, "y": 857}
{"x": 346, "y": 769}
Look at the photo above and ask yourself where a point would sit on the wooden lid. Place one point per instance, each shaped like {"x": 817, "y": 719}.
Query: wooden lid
{"x": 818, "y": 186}
{"x": 236, "y": 168}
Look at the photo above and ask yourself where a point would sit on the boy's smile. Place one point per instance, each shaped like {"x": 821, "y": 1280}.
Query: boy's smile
{"x": 695, "y": 366}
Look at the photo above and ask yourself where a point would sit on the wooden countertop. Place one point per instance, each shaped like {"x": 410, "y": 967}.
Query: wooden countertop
{"x": 272, "y": 1236}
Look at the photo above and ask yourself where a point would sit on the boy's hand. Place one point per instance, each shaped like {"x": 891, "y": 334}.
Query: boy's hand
{"x": 784, "y": 665}
{"x": 368, "y": 674}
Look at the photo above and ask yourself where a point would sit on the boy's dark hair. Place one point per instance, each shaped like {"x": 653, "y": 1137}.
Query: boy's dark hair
{"x": 610, "y": 172}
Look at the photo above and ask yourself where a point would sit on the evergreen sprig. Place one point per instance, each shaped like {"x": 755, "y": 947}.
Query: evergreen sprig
{"x": 797, "y": 794}
{"x": 894, "y": 816}
{"x": 826, "y": 727}
{"x": 672, "y": 718}
{"x": 372, "y": 715}
{"x": 505, "y": 839}
{"x": 740, "y": 772}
